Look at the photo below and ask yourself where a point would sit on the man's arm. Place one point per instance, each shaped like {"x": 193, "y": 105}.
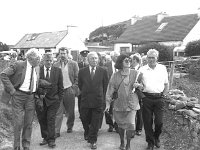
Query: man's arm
{"x": 5, "y": 74}
{"x": 75, "y": 84}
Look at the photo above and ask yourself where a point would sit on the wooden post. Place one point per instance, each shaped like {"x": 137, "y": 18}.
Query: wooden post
{"x": 171, "y": 76}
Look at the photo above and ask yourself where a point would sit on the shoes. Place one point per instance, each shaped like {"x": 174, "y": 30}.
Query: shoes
{"x": 157, "y": 143}
{"x": 150, "y": 147}
{"x": 86, "y": 137}
{"x": 52, "y": 144}
{"x": 69, "y": 130}
{"x": 139, "y": 132}
{"x": 17, "y": 148}
{"x": 26, "y": 148}
{"x": 44, "y": 142}
{"x": 93, "y": 146}
{"x": 110, "y": 129}
{"x": 57, "y": 135}
{"x": 122, "y": 147}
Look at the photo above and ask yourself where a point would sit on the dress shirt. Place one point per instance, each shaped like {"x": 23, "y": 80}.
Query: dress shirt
{"x": 45, "y": 71}
{"x": 91, "y": 69}
{"x": 27, "y": 80}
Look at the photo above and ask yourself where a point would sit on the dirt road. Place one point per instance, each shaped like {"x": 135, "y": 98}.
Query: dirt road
{"x": 75, "y": 140}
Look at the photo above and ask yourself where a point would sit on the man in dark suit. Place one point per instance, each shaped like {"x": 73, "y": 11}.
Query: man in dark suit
{"x": 20, "y": 82}
{"x": 92, "y": 82}
{"x": 82, "y": 64}
{"x": 111, "y": 69}
{"x": 51, "y": 100}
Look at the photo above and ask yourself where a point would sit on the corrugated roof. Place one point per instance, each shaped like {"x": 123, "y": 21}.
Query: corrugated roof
{"x": 41, "y": 40}
{"x": 144, "y": 30}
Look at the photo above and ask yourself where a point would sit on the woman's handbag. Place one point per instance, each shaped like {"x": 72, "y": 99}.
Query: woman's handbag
{"x": 108, "y": 118}
{"x": 115, "y": 93}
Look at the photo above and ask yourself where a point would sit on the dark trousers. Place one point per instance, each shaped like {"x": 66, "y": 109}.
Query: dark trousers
{"x": 79, "y": 104}
{"x": 152, "y": 113}
{"x": 23, "y": 109}
{"x": 139, "y": 120}
{"x": 90, "y": 118}
{"x": 46, "y": 120}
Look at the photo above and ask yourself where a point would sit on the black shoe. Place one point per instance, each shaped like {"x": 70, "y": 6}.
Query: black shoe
{"x": 17, "y": 148}
{"x": 69, "y": 130}
{"x": 157, "y": 143}
{"x": 139, "y": 132}
{"x": 150, "y": 147}
{"x": 26, "y": 148}
{"x": 93, "y": 146}
{"x": 44, "y": 142}
{"x": 110, "y": 129}
{"x": 86, "y": 137}
{"x": 52, "y": 144}
{"x": 57, "y": 135}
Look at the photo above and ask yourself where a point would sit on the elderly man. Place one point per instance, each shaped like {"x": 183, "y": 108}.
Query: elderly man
{"x": 92, "y": 82}
{"x": 20, "y": 82}
{"x": 70, "y": 82}
{"x": 155, "y": 81}
{"x": 51, "y": 100}
{"x": 111, "y": 69}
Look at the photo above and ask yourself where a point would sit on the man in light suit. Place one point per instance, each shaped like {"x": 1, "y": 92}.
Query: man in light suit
{"x": 111, "y": 69}
{"x": 51, "y": 100}
{"x": 92, "y": 82}
{"x": 70, "y": 83}
{"x": 20, "y": 82}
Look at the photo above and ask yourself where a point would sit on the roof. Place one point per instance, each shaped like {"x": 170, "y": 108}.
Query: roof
{"x": 173, "y": 28}
{"x": 41, "y": 40}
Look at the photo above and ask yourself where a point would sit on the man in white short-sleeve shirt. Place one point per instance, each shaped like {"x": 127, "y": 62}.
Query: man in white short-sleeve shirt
{"x": 155, "y": 82}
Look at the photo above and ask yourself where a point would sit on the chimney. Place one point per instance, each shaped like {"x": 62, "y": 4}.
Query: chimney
{"x": 198, "y": 12}
{"x": 161, "y": 16}
{"x": 134, "y": 19}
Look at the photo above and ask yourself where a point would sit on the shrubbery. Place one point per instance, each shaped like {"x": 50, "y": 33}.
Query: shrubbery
{"x": 165, "y": 52}
{"x": 193, "y": 48}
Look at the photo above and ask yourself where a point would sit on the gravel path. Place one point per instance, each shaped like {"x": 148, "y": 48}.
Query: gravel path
{"x": 75, "y": 140}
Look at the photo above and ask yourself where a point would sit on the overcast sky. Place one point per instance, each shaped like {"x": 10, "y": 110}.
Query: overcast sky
{"x": 19, "y": 17}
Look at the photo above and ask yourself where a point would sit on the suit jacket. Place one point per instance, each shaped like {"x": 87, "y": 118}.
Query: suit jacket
{"x": 110, "y": 69}
{"x": 13, "y": 77}
{"x": 55, "y": 93}
{"x": 92, "y": 91}
{"x": 73, "y": 74}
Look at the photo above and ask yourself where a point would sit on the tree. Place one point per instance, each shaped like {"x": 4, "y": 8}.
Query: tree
{"x": 165, "y": 52}
{"x": 193, "y": 48}
{"x": 3, "y": 47}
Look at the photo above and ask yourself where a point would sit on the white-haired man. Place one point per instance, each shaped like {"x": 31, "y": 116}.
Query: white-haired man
{"x": 92, "y": 82}
{"x": 155, "y": 81}
{"x": 20, "y": 82}
{"x": 111, "y": 69}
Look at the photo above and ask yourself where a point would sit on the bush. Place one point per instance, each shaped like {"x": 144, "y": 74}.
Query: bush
{"x": 165, "y": 52}
{"x": 193, "y": 48}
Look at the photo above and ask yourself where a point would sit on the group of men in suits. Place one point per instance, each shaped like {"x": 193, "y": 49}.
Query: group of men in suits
{"x": 53, "y": 87}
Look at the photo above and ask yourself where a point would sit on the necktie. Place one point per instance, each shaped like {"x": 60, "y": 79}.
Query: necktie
{"x": 47, "y": 74}
{"x": 31, "y": 80}
{"x": 92, "y": 73}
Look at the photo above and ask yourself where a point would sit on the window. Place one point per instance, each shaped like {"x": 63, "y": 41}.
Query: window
{"x": 124, "y": 49}
{"x": 161, "y": 27}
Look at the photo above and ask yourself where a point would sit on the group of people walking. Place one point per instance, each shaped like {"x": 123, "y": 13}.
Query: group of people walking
{"x": 131, "y": 92}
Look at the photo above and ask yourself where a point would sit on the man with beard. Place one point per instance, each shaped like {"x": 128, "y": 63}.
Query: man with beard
{"x": 70, "y": 82}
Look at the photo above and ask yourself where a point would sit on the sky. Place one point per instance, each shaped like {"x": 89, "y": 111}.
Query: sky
{"x": 19, "y": 17}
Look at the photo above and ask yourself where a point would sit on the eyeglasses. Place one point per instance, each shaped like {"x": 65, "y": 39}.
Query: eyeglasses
{"x": 127, "y": 60}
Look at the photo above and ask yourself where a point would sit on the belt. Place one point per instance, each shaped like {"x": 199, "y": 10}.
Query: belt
{"x": 25, "y": 92}
{"x": 153, "y": 95}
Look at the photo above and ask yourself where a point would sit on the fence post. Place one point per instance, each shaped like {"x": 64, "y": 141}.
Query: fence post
{"x": 171, "y": 76}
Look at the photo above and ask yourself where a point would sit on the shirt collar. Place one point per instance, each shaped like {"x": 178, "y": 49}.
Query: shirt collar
{"x": 28, "y": 64}
{"x": 46, "y": 68}
{"x": 92, "y": 67}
